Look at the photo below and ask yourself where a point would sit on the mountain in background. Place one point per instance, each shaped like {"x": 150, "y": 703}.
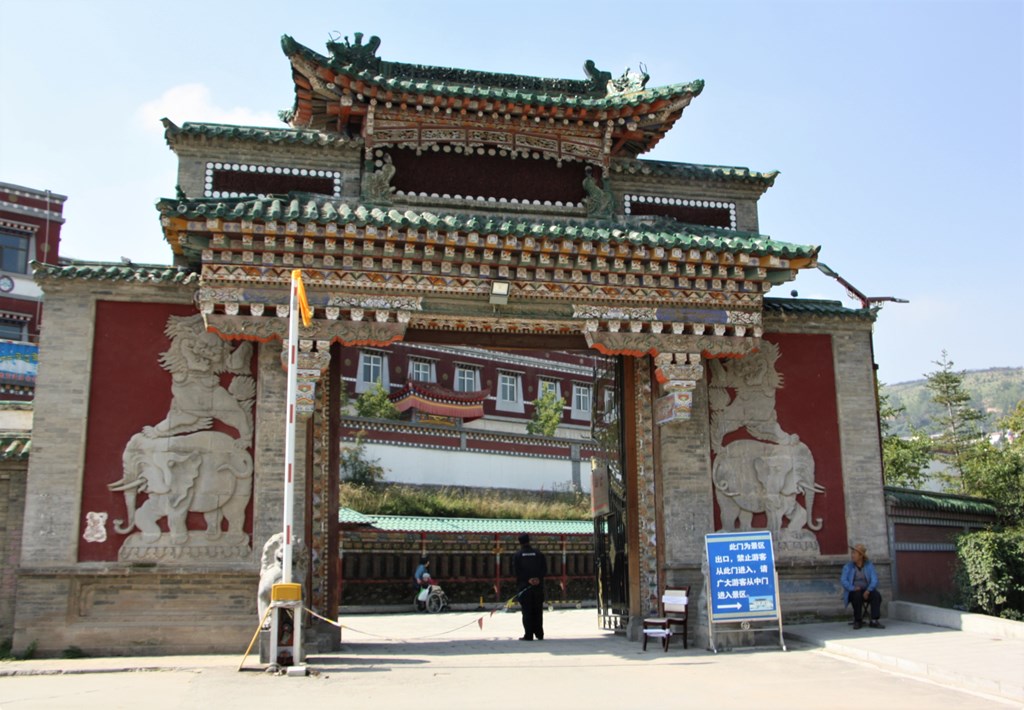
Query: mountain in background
{"x": 995, "y": 391}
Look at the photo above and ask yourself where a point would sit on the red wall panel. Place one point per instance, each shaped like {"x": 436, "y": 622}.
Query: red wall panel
{"x": 806, "y": 406}
{"x": 128, "y": 391}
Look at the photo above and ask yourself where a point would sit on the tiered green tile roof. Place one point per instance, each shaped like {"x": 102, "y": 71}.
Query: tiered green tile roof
{"x": 304, "y": 209}
{"x": 359, "y": 63}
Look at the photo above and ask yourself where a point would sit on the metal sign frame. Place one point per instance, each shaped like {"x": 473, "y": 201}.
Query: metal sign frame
{"x": 742, "y": 583}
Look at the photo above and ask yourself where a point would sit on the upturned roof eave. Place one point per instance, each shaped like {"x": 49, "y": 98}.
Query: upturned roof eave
{"x": 423, "y": 87}
{"x": 176, "y": 135}
{"x": 306, "y": 209}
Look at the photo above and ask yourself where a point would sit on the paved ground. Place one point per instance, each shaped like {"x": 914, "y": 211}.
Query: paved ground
{"x": 473, "y": 660}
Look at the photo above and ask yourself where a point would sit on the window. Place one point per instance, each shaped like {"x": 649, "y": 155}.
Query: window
{"x": 373, "y": 367}
{"x": 580, "y": 401}
{"x": 14, "y": 250}
{"x": 610, "y": 407}
{"x": 467, "y": 378}
{"x": 12, "y": 329}
{"x": 546, "y": 385}
{"x": 510, "y": 392}
{"x": 422, "y": 370}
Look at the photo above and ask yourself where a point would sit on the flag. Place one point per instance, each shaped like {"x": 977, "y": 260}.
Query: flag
{"x": 300, "y": 294}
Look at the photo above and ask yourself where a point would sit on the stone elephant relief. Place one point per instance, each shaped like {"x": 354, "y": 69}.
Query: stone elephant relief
{"x": 752, "y": 476}
{"x": 205, "y": 471}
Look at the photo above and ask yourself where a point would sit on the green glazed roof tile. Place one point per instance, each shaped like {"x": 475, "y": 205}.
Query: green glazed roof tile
{"x": 661, "y": 231}
{"x": 940, "y": 502}
{"x": 808, "y": 306}
{"x": 417, "y": 523}
{"x": 692, "y": 171}
{"x": 360, "y": 63}
{"x": 105, "y": 271}
{"x": 15, "y": 445}
{"x": 255, "y": 134}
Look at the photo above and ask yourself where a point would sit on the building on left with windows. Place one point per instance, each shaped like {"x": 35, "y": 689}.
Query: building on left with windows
{"x": 30, "y": 222}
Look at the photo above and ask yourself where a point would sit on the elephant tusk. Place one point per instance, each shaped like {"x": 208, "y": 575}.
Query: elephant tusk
{"x": 123, "y": 485}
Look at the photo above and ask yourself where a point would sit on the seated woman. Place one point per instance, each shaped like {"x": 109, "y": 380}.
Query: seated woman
{"x": 860, "y": 582}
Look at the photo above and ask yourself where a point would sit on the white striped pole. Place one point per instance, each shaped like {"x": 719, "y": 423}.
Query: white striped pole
{"x": 289, "y": 437}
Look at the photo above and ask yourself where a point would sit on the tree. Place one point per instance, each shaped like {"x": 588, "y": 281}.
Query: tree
{"x": 547, "y": 415}
{"x": 356, "y": 467}
{"x": 904, "y": 459}
{"x": 996, "y": 471}
{"x": 374, "y": 404}
{"x": 959, "y": 421}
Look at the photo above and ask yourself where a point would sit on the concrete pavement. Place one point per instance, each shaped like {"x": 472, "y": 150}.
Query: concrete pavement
{"x": 980, "y": 654}
{"x": 472, "y": 660}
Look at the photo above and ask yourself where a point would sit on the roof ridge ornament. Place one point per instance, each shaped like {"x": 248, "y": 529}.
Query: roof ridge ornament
{"x": 629, "y": 82}
{"x": 600, "y": 201}
{"x": 599, "y": 80}
{"x": 358, "y": 54}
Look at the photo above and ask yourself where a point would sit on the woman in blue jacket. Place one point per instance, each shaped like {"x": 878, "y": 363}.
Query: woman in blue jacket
{"x": 860, "y": 581}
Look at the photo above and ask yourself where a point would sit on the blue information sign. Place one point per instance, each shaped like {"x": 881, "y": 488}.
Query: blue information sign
{"x": 741, "y": 575}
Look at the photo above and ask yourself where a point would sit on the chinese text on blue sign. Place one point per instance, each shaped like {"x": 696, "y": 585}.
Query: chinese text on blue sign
{"x": 741, "y": 576}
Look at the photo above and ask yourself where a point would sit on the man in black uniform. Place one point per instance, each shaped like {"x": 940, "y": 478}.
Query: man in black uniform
{"x": 530, "y": 567}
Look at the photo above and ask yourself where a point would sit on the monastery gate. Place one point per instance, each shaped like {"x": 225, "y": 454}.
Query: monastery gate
{"x": 434, "y": 205}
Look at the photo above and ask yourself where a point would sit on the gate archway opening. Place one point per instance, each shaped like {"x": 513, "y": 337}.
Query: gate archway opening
{"x": 608, "y": 571}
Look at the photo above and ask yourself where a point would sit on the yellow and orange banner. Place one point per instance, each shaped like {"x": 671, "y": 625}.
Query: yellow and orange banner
{"x": 300, "y": 296}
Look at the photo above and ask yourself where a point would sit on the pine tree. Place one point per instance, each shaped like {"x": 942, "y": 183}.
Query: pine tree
{"x": 959, "y": 421}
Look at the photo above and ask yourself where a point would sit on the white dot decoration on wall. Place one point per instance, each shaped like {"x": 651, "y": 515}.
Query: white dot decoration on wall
{"x": 629, "y": 200}
{"x": 333, "y": 175}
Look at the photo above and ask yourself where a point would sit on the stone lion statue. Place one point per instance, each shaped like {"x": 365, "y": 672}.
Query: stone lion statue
{"x": 272, "y": 570}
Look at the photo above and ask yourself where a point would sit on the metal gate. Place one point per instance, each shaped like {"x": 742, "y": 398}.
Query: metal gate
{"x": 610, "y": 524}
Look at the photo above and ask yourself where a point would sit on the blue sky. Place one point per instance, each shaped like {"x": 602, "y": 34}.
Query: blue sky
{"x": 897, "y": 126}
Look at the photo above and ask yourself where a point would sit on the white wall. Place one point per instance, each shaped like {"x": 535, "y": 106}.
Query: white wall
{"x": 405, "y": 464}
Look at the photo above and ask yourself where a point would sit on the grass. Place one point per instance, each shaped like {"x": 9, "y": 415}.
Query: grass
{"x": 458, "y": 502}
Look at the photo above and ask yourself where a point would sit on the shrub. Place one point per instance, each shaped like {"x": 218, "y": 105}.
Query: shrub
{"x": 357, "y": 467}
{"x": 991, "y": 572}
{"x": 375, "y": 404}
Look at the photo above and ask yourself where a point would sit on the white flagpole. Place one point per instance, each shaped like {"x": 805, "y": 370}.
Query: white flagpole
{"x": 289, "y": 437}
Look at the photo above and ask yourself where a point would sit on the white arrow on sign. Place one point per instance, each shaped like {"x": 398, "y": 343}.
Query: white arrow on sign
{"x": 737, "y": 605}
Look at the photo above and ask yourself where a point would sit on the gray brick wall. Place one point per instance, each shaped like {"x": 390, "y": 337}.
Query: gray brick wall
{"x": 12, "y": 509}
{"x": 112, "y": 608}
{"x": 193, "y": 157}
{"x": 120, "y": 610}
{"x": 809, "y": 588}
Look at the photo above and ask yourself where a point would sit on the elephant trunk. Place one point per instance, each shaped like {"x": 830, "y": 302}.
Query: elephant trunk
{"x": 130, "y": 493}
{"x": 812, "y": 524}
